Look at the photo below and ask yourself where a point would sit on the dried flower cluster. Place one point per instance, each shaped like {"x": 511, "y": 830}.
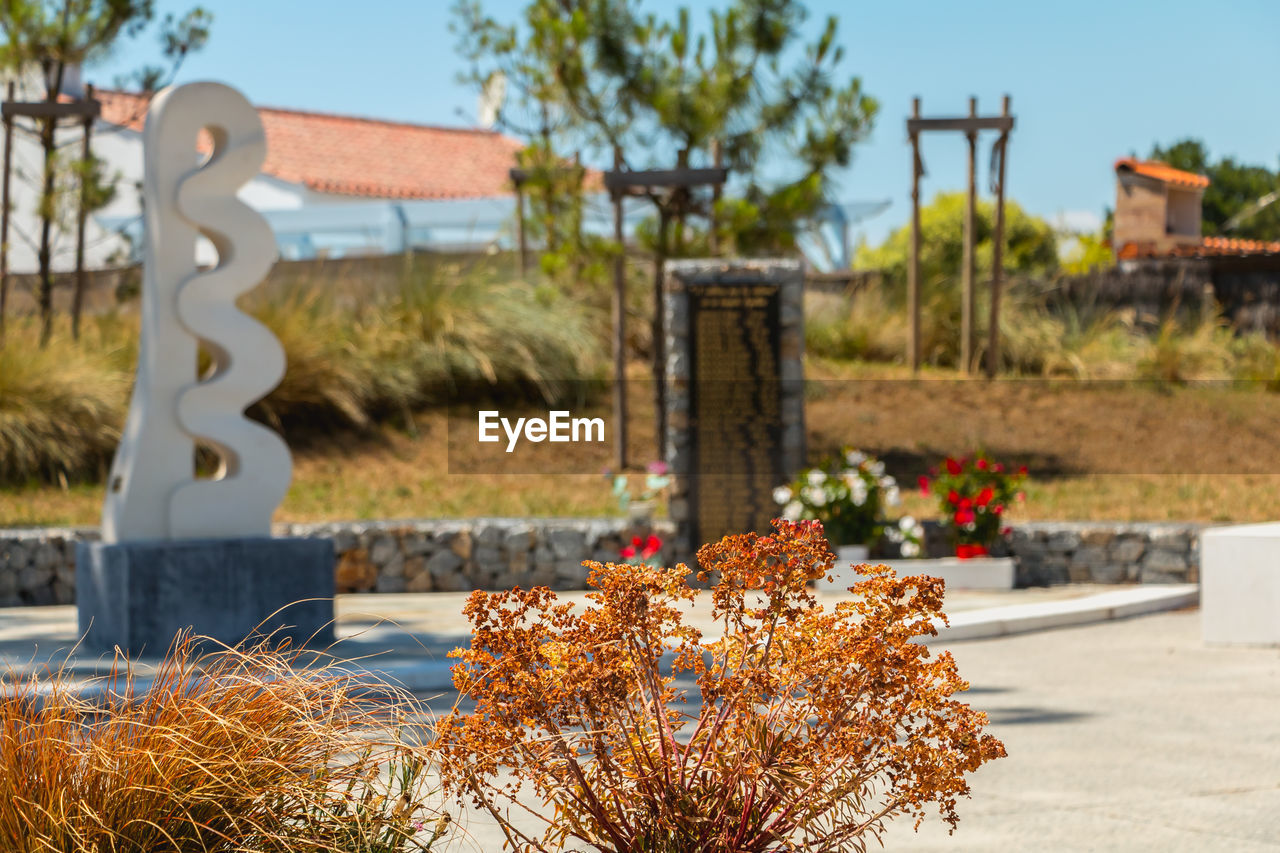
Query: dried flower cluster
{"x": 796, "y": 729}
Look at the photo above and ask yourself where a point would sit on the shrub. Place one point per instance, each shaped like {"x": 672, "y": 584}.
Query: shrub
{"x": 231, "y": 751}
{"x": 61, "y": 408}
{"x": 441, "y": 334}
{"x": 812, "y": 728}
{"x": 848, "y": 494}
{"x": 974, "y": 493}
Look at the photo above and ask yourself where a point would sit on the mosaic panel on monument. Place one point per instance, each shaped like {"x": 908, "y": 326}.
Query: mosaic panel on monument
{"x": 734, "y": 407}
{"x": 734, "y": 384}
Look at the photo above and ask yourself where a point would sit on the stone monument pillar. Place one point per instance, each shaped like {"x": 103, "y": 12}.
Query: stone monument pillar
{"x": 735, "y": 392}
{"x": 179, "y": 551}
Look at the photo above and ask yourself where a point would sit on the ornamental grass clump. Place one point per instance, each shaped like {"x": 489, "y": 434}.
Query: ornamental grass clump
{"x": 228, "y": 752}
{"x": 795, "y": 729}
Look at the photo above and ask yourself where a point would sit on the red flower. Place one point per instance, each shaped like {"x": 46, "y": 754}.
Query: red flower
{"x": 968, "y": 552}
{"x": 924, "y": 485}
{"x": 964, "y": 516}
{"x": 985, "y": 496}
{"x": 999, "y": 467}
{"x": 953, "y": 467}
{"x": 965, "y": 503}
{"x": 1022, "y": 470}
{"x": 953, "y": 497}
{"x": 627, "y": 552}
{"x": 637, "y": 541}
{"x": 998, "y": 509}
{"x": 653, "y": 543}
{"x": 981, "y": 464}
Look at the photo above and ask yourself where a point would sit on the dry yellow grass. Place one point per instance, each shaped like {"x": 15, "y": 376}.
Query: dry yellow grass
{"x": 239, "y": 750}
{"x": 1124, "y": 452}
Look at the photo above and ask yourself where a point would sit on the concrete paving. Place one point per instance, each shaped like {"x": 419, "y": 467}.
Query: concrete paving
{"x": 1128, "y": 734}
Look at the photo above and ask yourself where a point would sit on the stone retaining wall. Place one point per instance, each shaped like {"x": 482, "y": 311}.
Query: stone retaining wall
{"x": 1057, "y": 553}
{"x": 37, "y": 566}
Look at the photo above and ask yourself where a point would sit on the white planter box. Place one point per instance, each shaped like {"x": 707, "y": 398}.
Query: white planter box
{"x": 1240, "y": 584}
{"x": 977, "y": 573}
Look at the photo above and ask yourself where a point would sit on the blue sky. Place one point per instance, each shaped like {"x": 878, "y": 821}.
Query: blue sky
{"x": 1090, "y": 80}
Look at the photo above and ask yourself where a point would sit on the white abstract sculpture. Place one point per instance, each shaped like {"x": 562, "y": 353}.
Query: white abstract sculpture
{"x": 153, "y": 492}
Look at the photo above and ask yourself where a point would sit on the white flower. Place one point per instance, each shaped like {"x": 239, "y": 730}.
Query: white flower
{"x": 892, "y": 496}
{"x": 817, "y": 477}
{"x": 858, "y": 492}
{"x": 791, "y": 512}
{"x": 907, "y": 523}
{"x": 781, "y": 495}
{"x": 855, "y": 457}
{"x": 910, "y": 549}
{"x": 887, "y": 482}
{"x": 814, "y": 495}
{"x": 876, "y": 468}
{"x": 851, "y": 477}
{"x": 893, "y": 534}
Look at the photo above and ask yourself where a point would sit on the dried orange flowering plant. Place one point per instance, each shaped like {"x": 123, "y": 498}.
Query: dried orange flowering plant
{"x": 797, "y": 729}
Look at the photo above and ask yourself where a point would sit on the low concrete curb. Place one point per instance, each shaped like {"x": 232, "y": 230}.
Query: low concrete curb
{"x": 1022, "y": 618}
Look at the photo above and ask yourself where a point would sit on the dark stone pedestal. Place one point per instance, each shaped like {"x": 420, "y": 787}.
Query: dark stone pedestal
{"x": 139, "y": 595}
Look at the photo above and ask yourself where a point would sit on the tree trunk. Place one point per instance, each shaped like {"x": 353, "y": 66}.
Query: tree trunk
{"x": 47, "y": 204}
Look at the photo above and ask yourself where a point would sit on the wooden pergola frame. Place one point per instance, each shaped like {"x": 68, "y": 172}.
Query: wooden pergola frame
{"x": 622, "y": 182}
{"x": 970, "y": 126}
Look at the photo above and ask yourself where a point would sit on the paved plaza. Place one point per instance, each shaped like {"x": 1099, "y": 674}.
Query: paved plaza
{"x": 1127, "y": 734}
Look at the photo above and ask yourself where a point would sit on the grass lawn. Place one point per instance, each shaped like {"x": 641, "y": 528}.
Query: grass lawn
{"x": 1119, "y": 451}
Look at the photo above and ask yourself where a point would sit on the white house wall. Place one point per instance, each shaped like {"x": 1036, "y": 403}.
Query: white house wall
{"x": 106, "y": 243}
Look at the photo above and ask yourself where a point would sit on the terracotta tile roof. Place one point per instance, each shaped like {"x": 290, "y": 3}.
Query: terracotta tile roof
{"x": 365, "y": 157}
{"x": 1208, "y": 247}
{"x": 1162, "y": 172}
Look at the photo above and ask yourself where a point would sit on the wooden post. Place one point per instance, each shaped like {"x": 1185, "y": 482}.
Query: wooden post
{"x": 619, "y": 330}
{"x": 4, "y": 216}
{"x": 966, "y": 308}
{"x": 520, "y": 238}
{"x": 77, "y": 302}
{"x": 997, "y": 253}
{"x": 658, "y": 342}
{"x": 913, "y": 262}
{"x": 717, "y": 160}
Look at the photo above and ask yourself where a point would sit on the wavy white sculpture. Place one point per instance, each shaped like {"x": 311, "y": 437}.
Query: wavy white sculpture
{"x": 153, "y": 493}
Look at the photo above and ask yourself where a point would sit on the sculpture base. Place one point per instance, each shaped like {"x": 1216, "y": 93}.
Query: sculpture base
{"x": 140, "y": 595}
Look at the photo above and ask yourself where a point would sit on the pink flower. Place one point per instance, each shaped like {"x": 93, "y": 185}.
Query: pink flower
{"x": 657, "y": 467}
